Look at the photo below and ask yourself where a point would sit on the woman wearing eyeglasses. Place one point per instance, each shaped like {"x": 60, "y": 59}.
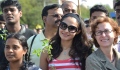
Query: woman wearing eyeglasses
{"x": 105, "y": 33}
{"x": 70, "y": 46}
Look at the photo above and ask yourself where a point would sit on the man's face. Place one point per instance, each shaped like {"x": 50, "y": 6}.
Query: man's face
{"x": 96, "y": 14}
{"x": 117, "y": 9}
{"x": 11, "y": 14}
{"x": 2, "y": 24}
{"x": 53, "y": 18}
{"x": 70, "y": 8}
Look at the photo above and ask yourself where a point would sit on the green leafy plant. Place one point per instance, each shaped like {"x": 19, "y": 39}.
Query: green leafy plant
{"x": 46, "y": 46}
{"x": 4, "y": 34}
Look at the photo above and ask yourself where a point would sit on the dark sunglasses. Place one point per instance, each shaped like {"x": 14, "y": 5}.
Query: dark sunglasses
{"x": 56, "y": 15}
{"x": 71, "y": 29}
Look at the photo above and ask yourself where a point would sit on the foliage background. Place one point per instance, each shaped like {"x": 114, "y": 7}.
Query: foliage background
{"x": 32, "y": 11}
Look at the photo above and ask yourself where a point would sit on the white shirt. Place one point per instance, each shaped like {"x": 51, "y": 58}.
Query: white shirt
{"x": 37, "y": 44}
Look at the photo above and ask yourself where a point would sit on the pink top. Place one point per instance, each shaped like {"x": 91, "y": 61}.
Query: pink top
{"x": 67, "y": 64}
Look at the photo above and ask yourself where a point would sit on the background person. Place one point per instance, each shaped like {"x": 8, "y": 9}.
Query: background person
{"x": 69, "y": 7}
{"x": 51, "y": 16}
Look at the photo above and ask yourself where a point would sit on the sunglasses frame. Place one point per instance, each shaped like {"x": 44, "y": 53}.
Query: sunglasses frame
{"x": 69, "y": 27}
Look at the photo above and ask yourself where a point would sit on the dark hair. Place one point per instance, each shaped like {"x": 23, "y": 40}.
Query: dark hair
{"x": 1, "y": 17}
{"x": 80, "y": 45}
{"x": 48, "y": 7}
{"x": 5, "y": 3}
{"x": 99, "y": 8}
{"x": 23, "y": 42}
{"x": 101, "y": 20}
{"x": 117, "y": 4}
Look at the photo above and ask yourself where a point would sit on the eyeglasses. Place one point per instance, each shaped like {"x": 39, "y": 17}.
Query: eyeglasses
{"x": 56, "y": 15}
{"x": 107, "y": 31}
{"x": 71, "y": 29}
{"x": 87, "y": 25}
{"x": 70, "y": 10}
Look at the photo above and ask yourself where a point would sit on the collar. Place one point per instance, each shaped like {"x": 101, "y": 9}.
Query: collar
{"x": 104, "y": 60}
{"x": 21, "y": 31}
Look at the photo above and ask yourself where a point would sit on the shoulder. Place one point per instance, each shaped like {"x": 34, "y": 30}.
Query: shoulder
{"x": 31, "y": 38}
{"x": 30, "y": 31}
{"x": 33, "y": 67}
{"x": 91, "y": 57}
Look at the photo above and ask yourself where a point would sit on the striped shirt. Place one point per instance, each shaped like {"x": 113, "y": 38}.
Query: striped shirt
{"x": 67, "y": 64}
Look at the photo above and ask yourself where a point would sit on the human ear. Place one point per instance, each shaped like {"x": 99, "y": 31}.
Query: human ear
{"x": 78, "y": 32}
{"x": 44, "y": 19}
{"x": 20, "y": 13}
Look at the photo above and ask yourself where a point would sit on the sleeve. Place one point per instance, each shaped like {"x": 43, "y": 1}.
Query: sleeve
{"x": 92, "y": 64}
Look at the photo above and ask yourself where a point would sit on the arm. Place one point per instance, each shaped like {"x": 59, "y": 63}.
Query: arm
{"x": 93, "y": 64}
{"x": 44, "y": 61}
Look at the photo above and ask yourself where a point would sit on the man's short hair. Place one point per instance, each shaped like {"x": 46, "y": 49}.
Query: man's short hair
{"x": 10, "y": 3}
{"x": 117, "y": 4}
{"x": 48, "y": 7}
{"x": 98, "y": 8}
{"x": 1, "y": 17}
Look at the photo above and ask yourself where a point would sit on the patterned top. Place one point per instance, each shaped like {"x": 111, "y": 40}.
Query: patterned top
{"x": 67, "y": 64}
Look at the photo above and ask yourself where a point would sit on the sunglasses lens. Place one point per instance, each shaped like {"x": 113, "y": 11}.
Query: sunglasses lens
{"x": 72, "y": 29}
{"x": 63, "y": 25}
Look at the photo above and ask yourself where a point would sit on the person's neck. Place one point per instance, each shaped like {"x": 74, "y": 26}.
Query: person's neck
{"x": 13, "y": 28}
{"x": 15, "y": 65}
{"x": 50, "y": 32}
{"x": 66, "y": 44}
{"x": 108, "y": 53}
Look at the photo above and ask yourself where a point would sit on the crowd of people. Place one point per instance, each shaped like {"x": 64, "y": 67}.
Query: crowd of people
{"x": 77, "y": 44}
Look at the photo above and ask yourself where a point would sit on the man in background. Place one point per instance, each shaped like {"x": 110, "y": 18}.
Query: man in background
{"x": 69, "y": 7}
{"x": 11, "y": 10}
{"x": 2, "y": 22}
{"x": 51, "y": 16}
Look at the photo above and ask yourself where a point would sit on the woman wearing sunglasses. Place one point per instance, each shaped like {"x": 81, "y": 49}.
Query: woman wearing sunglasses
{"x": 16, "y": 53}
{"x": 105, "y": 33}
{"x": 70, "y": 46}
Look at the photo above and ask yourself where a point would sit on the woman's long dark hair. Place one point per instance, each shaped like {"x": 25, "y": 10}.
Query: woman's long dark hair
{"x": 80, "y": 48}
{"x": 23, "y": 42}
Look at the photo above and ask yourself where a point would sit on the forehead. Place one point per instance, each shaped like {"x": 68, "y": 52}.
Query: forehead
{"x": 70, "y": 6}
{"x": 71, "y": 21}
{"x": 10, "y": 7}
{"x": 98, "y": 14}
{"x": 12, "y": 41}
{"x": 104, "y": 25}
{"x": 55, "y": 11}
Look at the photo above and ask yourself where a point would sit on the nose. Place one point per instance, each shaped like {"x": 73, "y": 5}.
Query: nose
{"x": 59, "y": 17}
{"x": 66, "y": 30}
{"x": 10, "y": 50}
{"x": 8, "y": 12}
{"x": 103, "y": 34}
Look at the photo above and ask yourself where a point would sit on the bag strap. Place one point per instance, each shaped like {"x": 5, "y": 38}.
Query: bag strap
{"x": 31, "y": 45}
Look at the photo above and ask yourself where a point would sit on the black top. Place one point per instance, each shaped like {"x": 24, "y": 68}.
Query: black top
{"x": 24, "y": 31}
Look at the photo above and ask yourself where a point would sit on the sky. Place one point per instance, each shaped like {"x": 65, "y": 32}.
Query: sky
{"x": 93, "y": 2}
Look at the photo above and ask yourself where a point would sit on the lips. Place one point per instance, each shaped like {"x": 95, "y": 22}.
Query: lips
{"x": 9, "y": 56}
{"x": 104, "y": 40}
